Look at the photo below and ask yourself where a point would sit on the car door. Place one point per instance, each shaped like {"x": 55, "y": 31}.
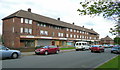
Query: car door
{"x": 52, "y": 49}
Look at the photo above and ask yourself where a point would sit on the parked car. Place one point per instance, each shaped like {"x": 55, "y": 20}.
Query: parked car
{"x": 47, "y": 50}
{"x": 115, "y": 49}
{"x": 106, "y": 46}
{"x": 81, "y": 46}
{"x": 97, "y": 48}
{"x": 6, "y": 52}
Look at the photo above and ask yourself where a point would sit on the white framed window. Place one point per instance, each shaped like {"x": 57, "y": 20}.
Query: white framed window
{"x": 67, "y": 29}
{"x": 21, "y": 30}
{"x": 41, "y": 25}
{"x": 41, "y": 32}
{"x": 44, "y": 25}
{"x": 71, "y": 35}
{"x": 77, "y": 31}
{"x": 26, "y": 21}
{"x": 53, "y": 34}
{"x": 77, "y": 36}
{"x": 74, "y": 30}
{"x": 21, "y": 20}
{"x": 67, "y": 35}
{"x": 62, "y": 34}
{"x": 45, "y": 32}
{"x": 74, "y": 36}
{"x": 26, "y": 30}
{"x": 30, "y": 21}
{"x": 70, "y": 30}
{"x": 13, "y": 29}
{"x": 30, "y": 31}
{"x": 59, "y": 34}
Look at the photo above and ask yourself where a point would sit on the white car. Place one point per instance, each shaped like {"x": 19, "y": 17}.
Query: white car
{"x": 81, "y": 46}
{"x": 6, "y": 52}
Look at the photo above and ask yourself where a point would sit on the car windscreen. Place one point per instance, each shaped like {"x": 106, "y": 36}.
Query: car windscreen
{"x": 96, "y": 46}
{"x": 116, "y": 47}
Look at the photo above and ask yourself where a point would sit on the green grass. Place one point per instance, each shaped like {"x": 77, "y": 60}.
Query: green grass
{"x": 67, "y": 48}
{"x": 114, "y": 63}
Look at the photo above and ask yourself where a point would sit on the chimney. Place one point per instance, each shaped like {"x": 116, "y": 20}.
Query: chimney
{"x": 83, "y": 26}
{"x": 91, "y": 28}
{"x": 58, "y": 19}
{"x": 73, "y": 23}
{"x": 29, "y": 9}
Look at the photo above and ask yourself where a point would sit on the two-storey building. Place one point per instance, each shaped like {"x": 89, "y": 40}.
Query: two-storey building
{"x": 27, "y": 29}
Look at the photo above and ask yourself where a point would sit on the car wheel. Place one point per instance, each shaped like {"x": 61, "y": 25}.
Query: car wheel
{"x": 14, "y": 55}
{"x": 46, "y": 52}
{"x": 57, "y": 52}
{"x": 100, "y": 51}
{"x": 76, "y": 49}
{"x": 92, "y": 51}
{"x": 111, "y": 51}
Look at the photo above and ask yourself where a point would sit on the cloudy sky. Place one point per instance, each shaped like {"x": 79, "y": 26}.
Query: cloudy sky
{"x": 65, "y": 9}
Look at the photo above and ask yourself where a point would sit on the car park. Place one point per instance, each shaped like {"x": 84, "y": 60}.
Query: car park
{"x": 47, "y": 50}
{"x": 97, "y": 48}
{"x": 115, "y": 49}
{"x": 81, "y": 46}
{"x": 8, "y": 53}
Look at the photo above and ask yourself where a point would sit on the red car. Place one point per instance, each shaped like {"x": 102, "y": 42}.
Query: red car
{"x": 47, "y": 49}
{"x": 97, "y": 48}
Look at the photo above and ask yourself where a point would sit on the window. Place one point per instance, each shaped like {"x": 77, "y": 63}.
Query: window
{"x": 71, "y": 35}
{"x": 21, "y": 30}
{"x": 45, "y": 32}
{"x": 70, "y": 30}
{"x": 53, "y": 33}
{"x": 21, "y": 20}
{"x": 74, "y": 36}
{"x": 44, "y": 25}
{"x": 67, "y": 35}
{"x": 74, "y": 30}
{"x": 60, "y": 34}
{"x": 77, "y": 31}
{"x": 77, "y": 36}
{"x": 26, "y": 30}
{"x": 30, "y": 31}
{"x": 13, "y": 29}
{"x": 41, "y": 32}
{"x": 13, "y": 20}
{"x": 30, "y": 21}
{"x": 26, "y": 21}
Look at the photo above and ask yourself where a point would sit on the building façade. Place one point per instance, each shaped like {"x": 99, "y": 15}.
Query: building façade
{"x": 27, "y": 29}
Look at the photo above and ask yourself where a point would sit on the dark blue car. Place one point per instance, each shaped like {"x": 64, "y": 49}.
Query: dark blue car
{"x": 115, "y": 49}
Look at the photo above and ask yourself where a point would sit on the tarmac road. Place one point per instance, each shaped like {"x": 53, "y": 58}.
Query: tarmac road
{"x": 73, "y": 59}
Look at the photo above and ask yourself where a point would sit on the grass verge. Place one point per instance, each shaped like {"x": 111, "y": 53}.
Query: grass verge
{"x": 67, "y": 48}
{"x": 112, "y": 64}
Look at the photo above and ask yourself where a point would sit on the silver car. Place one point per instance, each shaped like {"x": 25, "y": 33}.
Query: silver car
{"x": 6, "y": 52}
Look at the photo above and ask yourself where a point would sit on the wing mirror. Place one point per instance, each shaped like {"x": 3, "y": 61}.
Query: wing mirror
{"x": 7, "y": 49}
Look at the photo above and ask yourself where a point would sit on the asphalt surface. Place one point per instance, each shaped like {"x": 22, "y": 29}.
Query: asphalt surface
{"x": 73, "y": 59}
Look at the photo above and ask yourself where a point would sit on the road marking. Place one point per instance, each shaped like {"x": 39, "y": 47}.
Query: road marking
{"x": 105, "y": 61}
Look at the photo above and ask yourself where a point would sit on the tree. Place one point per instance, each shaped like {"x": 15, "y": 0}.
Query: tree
{"x": 106, "y": 9}
{"x": 117, "y": 40}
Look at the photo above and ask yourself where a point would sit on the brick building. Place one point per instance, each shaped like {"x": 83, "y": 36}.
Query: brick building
{"x": 106, "y": 40}
{"x": 27, "y": 29}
